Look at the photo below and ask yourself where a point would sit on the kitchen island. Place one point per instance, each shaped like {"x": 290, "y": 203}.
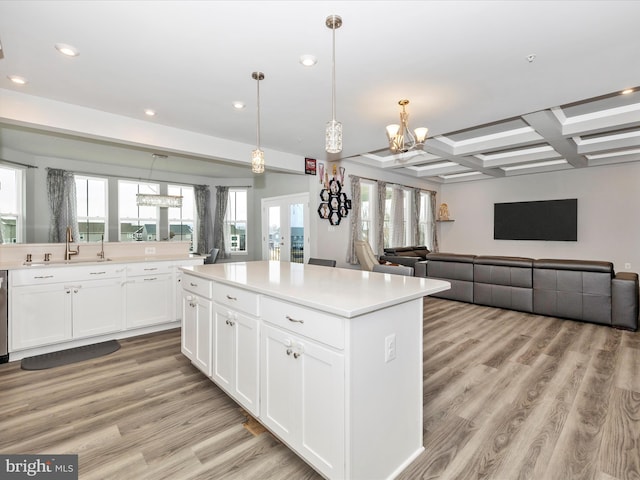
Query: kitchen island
{"x": 328, "y": 359}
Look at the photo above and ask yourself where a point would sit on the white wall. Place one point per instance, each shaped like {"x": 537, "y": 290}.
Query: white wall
{"x": 608, "y": 199}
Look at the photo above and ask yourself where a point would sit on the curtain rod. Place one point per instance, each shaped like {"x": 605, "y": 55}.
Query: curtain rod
{"x": 394, "y": 183}
{"x": 18, "y": 163}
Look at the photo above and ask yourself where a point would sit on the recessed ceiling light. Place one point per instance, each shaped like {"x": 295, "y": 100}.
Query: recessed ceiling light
{"x": 68, "y": 50}
{"x": 238, "y": 105}
{"x": 149, "y": 112}
{"x": 18, "y": 80}
{"x": 627, "y": 91}
{"x": 308, "y": 60}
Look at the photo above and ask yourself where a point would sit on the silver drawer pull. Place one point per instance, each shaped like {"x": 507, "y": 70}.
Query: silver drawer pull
{"x": 150, "y": 269}
{"x": 229, "y": 297}
{"x": 193, "y": 284}
{"x": 150, "y": 279}
{"x": 293, "y": 319}
{"x": 44, "y": 276}
{"x": 97, "y": 273}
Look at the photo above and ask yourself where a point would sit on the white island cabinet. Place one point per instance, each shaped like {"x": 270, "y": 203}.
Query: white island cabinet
{"x": 339, "y": 358}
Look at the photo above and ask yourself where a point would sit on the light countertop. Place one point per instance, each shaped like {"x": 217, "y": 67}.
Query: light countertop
{"x": 340, "y": 291}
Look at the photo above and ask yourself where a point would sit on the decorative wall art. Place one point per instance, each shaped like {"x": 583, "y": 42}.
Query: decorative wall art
{"x": 334, "y": 204}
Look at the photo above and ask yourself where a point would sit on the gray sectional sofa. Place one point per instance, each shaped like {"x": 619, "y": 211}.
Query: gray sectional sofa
{"x": 582, "y": 290}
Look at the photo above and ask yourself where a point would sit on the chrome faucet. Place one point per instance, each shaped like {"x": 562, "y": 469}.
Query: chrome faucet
{"x": 67, "y": 251}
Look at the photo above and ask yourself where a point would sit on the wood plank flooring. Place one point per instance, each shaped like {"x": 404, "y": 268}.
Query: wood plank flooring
{"x": 507, "y": 395}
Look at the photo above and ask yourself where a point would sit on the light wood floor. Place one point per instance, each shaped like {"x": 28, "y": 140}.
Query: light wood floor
{"x": 507, "y": 396}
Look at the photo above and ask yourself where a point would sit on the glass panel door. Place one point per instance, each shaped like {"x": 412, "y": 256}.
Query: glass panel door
{"x": 275, "y": 240}
{"x": 285, "y": 227}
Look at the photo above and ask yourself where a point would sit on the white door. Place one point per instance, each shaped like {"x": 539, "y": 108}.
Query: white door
{"x": 285, "y": 228}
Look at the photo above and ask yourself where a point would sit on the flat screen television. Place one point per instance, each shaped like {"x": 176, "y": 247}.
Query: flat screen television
{"x": 552, "y": 220}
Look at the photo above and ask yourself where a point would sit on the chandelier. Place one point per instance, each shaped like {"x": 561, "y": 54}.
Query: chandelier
{"x": 257, "y": 155}
{"x": 400, "y": 137}
{"x": 333, "y": 133}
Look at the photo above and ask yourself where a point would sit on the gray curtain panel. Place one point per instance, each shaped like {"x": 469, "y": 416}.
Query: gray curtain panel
{"x": 204, "y": 236}
{"x": 433, "y": 231}
{"x": 415, "y": 217}
{"x": 61, "y": 189}
{"x": 355, "y": 224}
{"x": 382, "y": 196}
{"x": 222, "y": 198}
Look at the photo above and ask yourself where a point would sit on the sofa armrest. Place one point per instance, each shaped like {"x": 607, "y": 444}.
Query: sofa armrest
{"x": 624, "y": 301}
{"x": 420, "y": 269}
{"x": 401, "y": 260}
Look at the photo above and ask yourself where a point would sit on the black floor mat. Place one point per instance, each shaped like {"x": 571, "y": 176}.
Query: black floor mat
{"x": 72, "y": 355}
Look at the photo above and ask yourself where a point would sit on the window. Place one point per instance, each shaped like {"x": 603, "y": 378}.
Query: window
{"x": 397, "y": 214}
{"x": 136, "y": 223}
{"x": 92, "y": 204}
{"x": 182, "y": 221}
{"x": 425, "y": 222}
{"x": 236, "y": 221}
{"x": 368, "y": 211}
{"x": 11, "y": 205}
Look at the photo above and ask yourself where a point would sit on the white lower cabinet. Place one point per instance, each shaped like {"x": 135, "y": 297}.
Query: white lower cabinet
{"x": 302, "y": 397}
{"x": 150, "y": 294}
{"x": 53, "y": 305}
{"x": 44, "y": 313}
{"x": 97, "y": 307}
{"x": 196, "y": 330}
{"x": 235, "y": 355}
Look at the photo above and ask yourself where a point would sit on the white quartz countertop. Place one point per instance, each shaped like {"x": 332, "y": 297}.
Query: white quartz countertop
{"x": 340, "y": 291}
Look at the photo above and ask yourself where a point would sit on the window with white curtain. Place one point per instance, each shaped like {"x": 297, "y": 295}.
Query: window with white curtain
{"x": 136, "y": 223}
{"x": 236, "y": 221}
{"x": 11, "y": 204}
{"x": 425, "y": 222}
{"x": 91, "y": 204}
{"x": 182, "y": 220}
{"x": 397, "y": 211}
{"x": 368, "y": 211}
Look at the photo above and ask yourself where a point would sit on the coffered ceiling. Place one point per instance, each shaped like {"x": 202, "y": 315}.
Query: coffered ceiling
{"x": 505, "y": 87}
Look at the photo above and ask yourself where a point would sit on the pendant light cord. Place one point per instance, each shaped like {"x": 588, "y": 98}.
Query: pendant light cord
{"x": 333, "y": 75}
{"x": 258, "y": 122}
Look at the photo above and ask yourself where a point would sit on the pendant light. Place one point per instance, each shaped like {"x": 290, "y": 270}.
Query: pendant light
{"x": 333, "y": 134}
{"x": 257, "y": 155}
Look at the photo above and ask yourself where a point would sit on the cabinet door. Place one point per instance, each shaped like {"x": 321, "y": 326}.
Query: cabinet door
{"x": 247, "y": 362}
{"x": 280, "y": 385}
{"x": 323, "y": 407}
{"x": 149, "y": 300}
{"x": 303, "y": 399}
{"x": 97, "y": 307}
{"x": 40, "y": 315}
{"x": 196, "y": 331}
{"x": 223, "y": 369}
{"x": 189, "y": 326}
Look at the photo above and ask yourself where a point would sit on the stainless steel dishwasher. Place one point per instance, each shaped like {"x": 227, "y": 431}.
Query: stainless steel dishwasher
{"x": 4, "y": 316}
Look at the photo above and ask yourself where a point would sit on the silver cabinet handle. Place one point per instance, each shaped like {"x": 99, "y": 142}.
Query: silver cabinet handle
{"x": 193, "y": 284}
{"x": 150, "y": 269}
{"x": 229, "y": 297}
{"x": 289, "y": 351}
{"x": 44, "y": 276}
{"x": 150, "y": 279}
{"x": 97, "y": 273}
{"x": 293, "y": 319}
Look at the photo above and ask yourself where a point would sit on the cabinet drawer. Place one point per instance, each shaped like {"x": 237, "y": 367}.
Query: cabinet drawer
{"x": 143, "y": 268}
{"x": 237, "y": 298}
{"x": 197, "y": 285}
{"x": 319, "y": 326}
{"x": 53, "y": 274}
